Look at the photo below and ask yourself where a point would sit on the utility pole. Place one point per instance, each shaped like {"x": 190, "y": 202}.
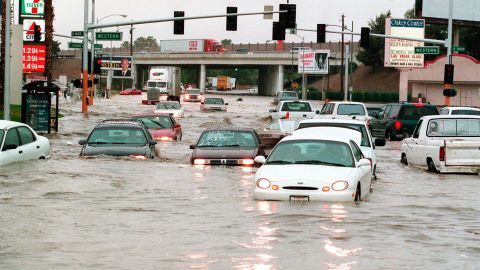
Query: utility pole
{"x": 92, "y": 74}
{"x": 85, "y": 58}
{"x": 134, "y": 74}
{"x": 343, "y": 51}
{"x": 6, "y": 87}
{"x": 449, "y": 46}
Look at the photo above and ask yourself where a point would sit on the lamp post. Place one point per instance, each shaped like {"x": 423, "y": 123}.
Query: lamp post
{"x": 304, "y": 90}
{"x": 344, "y": 82}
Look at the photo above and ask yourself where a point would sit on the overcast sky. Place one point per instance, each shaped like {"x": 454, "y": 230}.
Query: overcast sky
{"x": 69, "y": 16}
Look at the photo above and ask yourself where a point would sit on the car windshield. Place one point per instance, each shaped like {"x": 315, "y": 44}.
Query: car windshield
{"x": 217, "y": 101}
{"x": 465, "y": 112}
{"x": 373, "y": 110}
{"x": 453, "y": 128}
{"x": 156, "y": 121}
{"x": 168, "y": 106}
{"x": 193, "y": 92}
{"x": 416, "y": 112}
{"x": 358, "y": 127}
{"x": 315, "y": 152}
{"x": 296, "y": 107}
{"x": 117, "y": 135}
{"x": 350, "y": 109}
{"x": 289, "y": 94}
{"x": 227, "y": 138}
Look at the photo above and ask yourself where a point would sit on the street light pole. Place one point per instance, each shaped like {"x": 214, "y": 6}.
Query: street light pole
{"x": 92, "y": 74}
{"x": 341, "y": 65}
{"x": 6, "y": 87}
{"x": 85, "y": 58}
{"x": 134, "y": 74}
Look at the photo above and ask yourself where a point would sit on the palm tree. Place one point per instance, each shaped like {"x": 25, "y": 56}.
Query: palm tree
{"x": 49, "y": 16}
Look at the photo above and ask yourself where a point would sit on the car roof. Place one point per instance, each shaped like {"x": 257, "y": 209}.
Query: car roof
{"x": 6, "y": 124}
{"x": 332, "y": 121}
{"x": 295, "y": 101}
{"x": 345, "y": 102}
{"x": 213, "y": 98}
{"x": 326, "y": 133}
{"x": 120, "y": 122}
{"x": 459, "y": 116}
{"x": 170, "y": 101}
{"x": 420, "y": 104}
{"x": 151, "y": 114}
{"x": 462, "y": 108}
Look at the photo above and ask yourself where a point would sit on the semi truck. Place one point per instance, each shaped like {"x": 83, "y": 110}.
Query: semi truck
{"x": 191, "y": 46}
{"x": 212, "y": 83}
{"x": 163, "y": 81}
{"x": 224, "y": 83}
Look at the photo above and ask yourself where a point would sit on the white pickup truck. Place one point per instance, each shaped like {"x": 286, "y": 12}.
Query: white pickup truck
{"x": 292, "y": 110}
{"x": 444, "y": 144}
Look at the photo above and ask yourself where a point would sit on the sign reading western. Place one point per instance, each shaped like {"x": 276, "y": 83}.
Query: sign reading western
{"x": 400, "y": 52}
{"x": 34, "y": 58}
{"x": 29, "y": 27}
{"x": 313, "y": 62}
{"x": 32, "y": 7}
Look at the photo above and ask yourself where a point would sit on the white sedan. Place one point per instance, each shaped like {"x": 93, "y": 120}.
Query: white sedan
{"x": 19, "y": 142}
{"x": 323, "y": 164}
{"x": 170, "y": 107}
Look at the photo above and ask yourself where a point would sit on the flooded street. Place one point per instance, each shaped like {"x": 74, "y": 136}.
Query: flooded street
{"x": 112, "y": 213}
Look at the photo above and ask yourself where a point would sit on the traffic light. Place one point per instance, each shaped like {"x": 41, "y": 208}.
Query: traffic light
{"x": 232, "y": 20}
{"x": 449, "y": 92}
{"x": 278, "y": 32}
{"x": 178, "y": 26}
{"x": 97, "y": 65}
{"x": 288, "y": 19}
{"x": 321, "y": 32}
{"x": 448, "y": 74}
{"x": 365, "y": 37}
{"x": 37, "y": 35}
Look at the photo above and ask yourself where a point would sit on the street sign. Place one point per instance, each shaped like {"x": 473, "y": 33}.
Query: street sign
{"x": 28, "y": 29}
{"x": 77, "y": 33}
{"x": 458, "y": 49}
{"x": 79, "y": 45}
{"x": 427, "y": 50}
{"x": 108, "y": 35}
{"x": 34, "y": 58}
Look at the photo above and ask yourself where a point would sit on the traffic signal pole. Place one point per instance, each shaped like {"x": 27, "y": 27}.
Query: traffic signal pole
{"x": 6, "y": 86}
{"x": 449, "y": 46}
{"x": 92, "y": 64}
{"x": 85, "y": 59}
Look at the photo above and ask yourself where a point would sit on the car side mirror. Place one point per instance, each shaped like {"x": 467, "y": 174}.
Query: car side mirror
{"x": 10, "y": 147}
{"x": 317, "y": 112}
{"x": 82, "y": 142}
{"x": 193, "y": 146}
{"x": 259, "y": 160}
{"x": 363, "y": 162}
{"x": 152, "y": 142}
{"x": 379, "y": 142}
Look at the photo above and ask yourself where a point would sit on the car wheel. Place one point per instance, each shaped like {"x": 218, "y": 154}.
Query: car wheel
{"x": 358, "y": 193}
{"x": 431, "y": 166}
{"x": 404, "y": 159}
{"x": 375, "y": 172}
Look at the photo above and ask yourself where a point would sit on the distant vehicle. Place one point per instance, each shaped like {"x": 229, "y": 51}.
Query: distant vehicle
{"x": 193, "y": 95}
{"x": 19, "y": 142}
{"x": 459, "y": 111}
{"x": 170, "y": 107}
{"x": 191, "y": 46}
{"x": 373, "y": 111}
{"x": 398, "y": 120}
{"x": 345, "y": 110}
{"x": 284, "y": 96}
{"x": 119, "y": 138}
{"x": 212, "y": 83}
{"x": 130, "y": 91}
{"x": 315, "y": 164}
{"x": 276, "y": 131}
{"x": 292, "y": 110}
{"x": 223, "y": 83}
{"x": 213, "y": 104}
{"x": 164, "y": 80}
{"x": 162, "y": 127}
{"x": 367, "y": 144}
{"x": 227, "y": 147}
{"x": 444, "y": 144}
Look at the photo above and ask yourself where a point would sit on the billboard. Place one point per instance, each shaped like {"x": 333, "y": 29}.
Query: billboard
{"x": 32, "y": 7}
{"x": 463, "y": 10}
{"x": 313, "y": 62}
{"x": 121, "y": 66}
{"x": 34, "y": 58}
{"x": 29, "y": 27}
{"x": 400, "y": 53}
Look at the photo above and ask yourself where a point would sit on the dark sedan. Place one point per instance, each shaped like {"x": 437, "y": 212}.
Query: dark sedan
{"x": 227, "y": 147}
{"x": 119, "y": 138}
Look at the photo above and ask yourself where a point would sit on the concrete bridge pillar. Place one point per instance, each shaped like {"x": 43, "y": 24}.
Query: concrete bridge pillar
{"x": 270, "y": 80}
{"x": 202, "y": 77}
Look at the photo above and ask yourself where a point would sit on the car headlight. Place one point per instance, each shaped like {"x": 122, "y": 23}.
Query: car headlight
{"x": 263, "y": 183}
{"x": 246, "y": 162}
{"x": 138, "y": 157}
{"x": 164, "y": 139}
{"x": 340, "y": 185}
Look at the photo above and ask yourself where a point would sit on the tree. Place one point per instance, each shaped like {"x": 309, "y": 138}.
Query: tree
{"x": 55, "y": 48}
{"x": 125, "y": 45}
{"x": 374, "y": 54}
{"x": 49, "y": 16}
{"x": 148, "y": 42}
{"x": 226, "y": 42}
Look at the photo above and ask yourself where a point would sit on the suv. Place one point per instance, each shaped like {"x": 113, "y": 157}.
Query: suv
{"x": 119, "y": 138}
{"x": 285, "y": 95}
{"x": 398, "y": 120}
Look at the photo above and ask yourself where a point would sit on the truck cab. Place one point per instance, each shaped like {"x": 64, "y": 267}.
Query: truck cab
{"x": 212, "y": 45}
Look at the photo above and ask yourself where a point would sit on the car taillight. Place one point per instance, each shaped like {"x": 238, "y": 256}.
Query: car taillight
{"x": 419, "y": 104}
{"x": 398, "y": 125}
{"x": 246, "y": 162}
{"x": 441, "y": 154}
{"x": 200, "y": 162}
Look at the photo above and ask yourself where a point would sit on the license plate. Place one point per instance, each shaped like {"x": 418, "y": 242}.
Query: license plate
{"x": 295, "y": 198}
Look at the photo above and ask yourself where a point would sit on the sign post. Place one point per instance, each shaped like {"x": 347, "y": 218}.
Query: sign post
{"x": 427, "y": 50}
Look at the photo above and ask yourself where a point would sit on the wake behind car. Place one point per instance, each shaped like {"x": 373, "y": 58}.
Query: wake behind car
{"x": 312, "y": 164}
{"x": 162, "y": 127}
{"x": 19, "y": 142}
{"x": 119, "y": 138}
{"x": 170, "y": 107}
{"x": 227, "y": 147}
{"x": 193, "y": 95}
{"x": 213, "y": 104}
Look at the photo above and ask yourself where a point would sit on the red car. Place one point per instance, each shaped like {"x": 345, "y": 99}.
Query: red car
{"x": 162, "y": 127}
{"x": 130, "y": 91}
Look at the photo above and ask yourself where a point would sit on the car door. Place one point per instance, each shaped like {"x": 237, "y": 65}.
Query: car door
{"x": 414, "y": 146}
{"x": 364, "y": 173}
{"x": 378, "y": 123}
{"x": 176, "y": 128}
{"x": 29, "y": 144}
{"x": 11, "y": 155}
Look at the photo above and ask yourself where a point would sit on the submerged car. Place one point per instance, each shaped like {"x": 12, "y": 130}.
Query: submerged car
{"x": 213, "y": 104}
{"x": 119, "y": 138}
{"x": 227, "y": 147}
{"x": 285, "y": 95}
{"x": 19, "y": 142}
{"x": 162, "y": 127}
{"x": 170, "y": 107}
{"x": 459, "y": 111}
{"x": 312, "y": 164}
{"x": 130, "y": 91}
{"x": 193, "y": 95}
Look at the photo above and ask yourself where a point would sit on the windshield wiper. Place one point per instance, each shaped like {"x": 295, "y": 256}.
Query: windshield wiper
{"x": 98, "y": 143}
{"x": 279, "y": 162}
{"x": 158, "y": 123}
{"x": 231, "y": 145}
{"x": 318, "y": 162}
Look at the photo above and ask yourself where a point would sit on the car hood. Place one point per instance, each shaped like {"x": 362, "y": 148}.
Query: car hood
{"x": 318, "y": 173}
{"x": 224, "y": 153}
{"x": 160, "y": 132}
{"x": 114, "y": 150}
